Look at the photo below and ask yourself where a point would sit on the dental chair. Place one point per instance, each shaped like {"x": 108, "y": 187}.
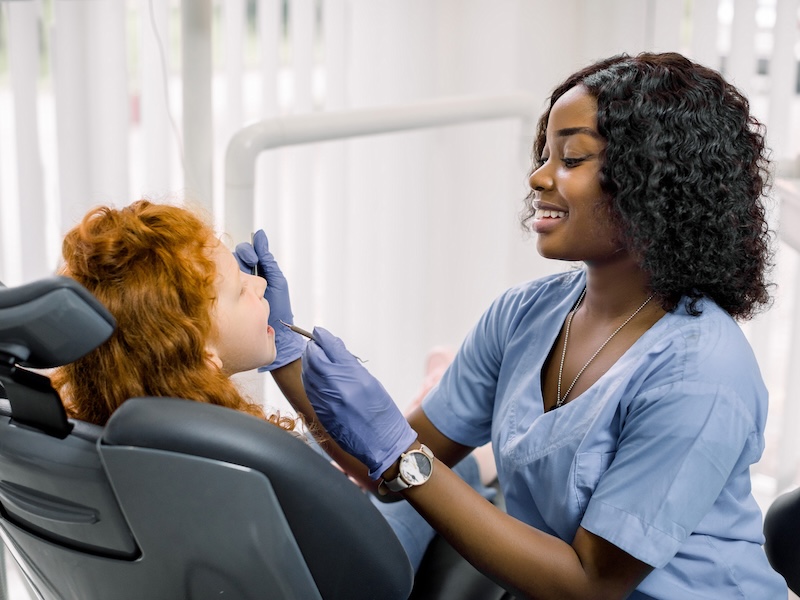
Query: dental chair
{"x": 172, "y": 499}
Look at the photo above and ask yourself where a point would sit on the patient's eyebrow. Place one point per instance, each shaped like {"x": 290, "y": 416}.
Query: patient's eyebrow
{"x": 568, "y": 131}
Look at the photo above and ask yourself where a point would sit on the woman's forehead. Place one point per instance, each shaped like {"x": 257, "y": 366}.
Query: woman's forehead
{"x": 575, "y": 108}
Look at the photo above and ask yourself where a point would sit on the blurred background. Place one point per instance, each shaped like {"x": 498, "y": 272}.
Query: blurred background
{"x": 396, "y": 242}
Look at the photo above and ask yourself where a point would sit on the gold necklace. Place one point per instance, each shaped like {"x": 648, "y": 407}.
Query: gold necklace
{"x": 560, "y": 400}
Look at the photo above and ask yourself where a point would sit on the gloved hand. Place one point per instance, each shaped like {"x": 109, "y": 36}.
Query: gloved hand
{"x": 289, "y": 344}
{"x": 352, "y": 405}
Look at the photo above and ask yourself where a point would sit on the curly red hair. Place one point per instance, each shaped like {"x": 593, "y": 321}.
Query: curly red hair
{"x": 150, "y": 265}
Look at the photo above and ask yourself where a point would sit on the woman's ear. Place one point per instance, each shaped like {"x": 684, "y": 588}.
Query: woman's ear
{"x": 212, "y": 357}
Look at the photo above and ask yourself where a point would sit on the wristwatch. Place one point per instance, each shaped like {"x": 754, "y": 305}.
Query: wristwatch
{"x": 416, "y": 467}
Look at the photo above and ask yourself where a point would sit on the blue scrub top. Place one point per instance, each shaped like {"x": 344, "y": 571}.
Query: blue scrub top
{"x": 654, "y": 457}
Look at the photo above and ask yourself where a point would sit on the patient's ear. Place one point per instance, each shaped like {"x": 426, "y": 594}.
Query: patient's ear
{"x": 212, "y": 357}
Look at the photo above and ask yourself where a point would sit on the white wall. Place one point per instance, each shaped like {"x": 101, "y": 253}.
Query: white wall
{"x": 396, "y": 242}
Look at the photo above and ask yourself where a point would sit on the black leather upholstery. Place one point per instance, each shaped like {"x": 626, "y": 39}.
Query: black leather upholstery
{"x": 782, "y": 537}
{"x": 173, "y": 498}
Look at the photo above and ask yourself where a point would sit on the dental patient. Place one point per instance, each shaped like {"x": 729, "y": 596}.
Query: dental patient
{"x": 188, "y": 318}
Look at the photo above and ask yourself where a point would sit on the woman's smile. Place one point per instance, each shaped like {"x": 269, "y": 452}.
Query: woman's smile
{"x": 547, "y": 217}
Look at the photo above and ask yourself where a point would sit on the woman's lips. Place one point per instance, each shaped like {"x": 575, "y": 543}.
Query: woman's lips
{"x": 545, "y": 220}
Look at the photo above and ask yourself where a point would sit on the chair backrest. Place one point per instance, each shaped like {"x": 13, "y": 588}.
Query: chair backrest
{"x": 172, "y": 498}
{"x": 782, "y": 537}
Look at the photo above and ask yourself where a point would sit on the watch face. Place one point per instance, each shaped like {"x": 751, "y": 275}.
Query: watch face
{"x": 415, "y": 468}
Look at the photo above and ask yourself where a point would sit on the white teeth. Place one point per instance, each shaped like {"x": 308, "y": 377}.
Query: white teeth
{"x": 549, "y": 214}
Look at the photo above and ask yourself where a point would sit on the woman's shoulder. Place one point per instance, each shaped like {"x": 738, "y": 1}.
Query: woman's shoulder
{"x": 550, "y": 287}
{"x": 711, "y": 328}
{"x": 537, "y": 297}
{"x": 527, "y": 305}
{"x": 706, "y": 351}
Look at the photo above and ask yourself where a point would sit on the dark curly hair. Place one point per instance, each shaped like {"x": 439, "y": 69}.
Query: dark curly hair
{"x": 684, "y": 173}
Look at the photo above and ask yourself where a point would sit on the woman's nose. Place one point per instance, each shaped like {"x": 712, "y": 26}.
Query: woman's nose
{"x": 540, "y": 180}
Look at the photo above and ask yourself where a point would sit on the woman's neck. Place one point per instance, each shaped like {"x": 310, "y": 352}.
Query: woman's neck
{"x": 615, "y": 289}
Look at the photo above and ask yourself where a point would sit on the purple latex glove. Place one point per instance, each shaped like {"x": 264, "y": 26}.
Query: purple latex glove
{"x": 352, "y": 405}
{"x": 289, "y": 344}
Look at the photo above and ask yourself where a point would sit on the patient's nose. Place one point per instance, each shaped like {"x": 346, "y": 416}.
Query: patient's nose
{"x": 260, "y": 284}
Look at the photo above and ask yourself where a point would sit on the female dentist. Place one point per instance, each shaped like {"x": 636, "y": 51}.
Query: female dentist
{"x": 623, "y": 402}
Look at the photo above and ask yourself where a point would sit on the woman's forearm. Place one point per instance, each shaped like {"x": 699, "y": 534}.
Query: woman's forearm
{"x": 289, "y": 381}
{"x": 528, "y": 562}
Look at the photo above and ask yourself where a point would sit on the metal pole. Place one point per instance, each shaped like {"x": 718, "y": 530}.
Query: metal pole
{"x": 250, "y": 141}
{"x": 197, "y": 110}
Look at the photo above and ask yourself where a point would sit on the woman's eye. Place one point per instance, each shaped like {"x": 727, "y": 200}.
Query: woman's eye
{"x": 572, "y": 162}
{"x": 541, "y": 161}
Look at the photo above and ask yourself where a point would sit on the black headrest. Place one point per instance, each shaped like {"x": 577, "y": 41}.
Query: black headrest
{"x": 51, "y": 322}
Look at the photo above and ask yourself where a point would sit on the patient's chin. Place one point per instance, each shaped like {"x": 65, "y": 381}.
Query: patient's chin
{"x": 270, "y": 356}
